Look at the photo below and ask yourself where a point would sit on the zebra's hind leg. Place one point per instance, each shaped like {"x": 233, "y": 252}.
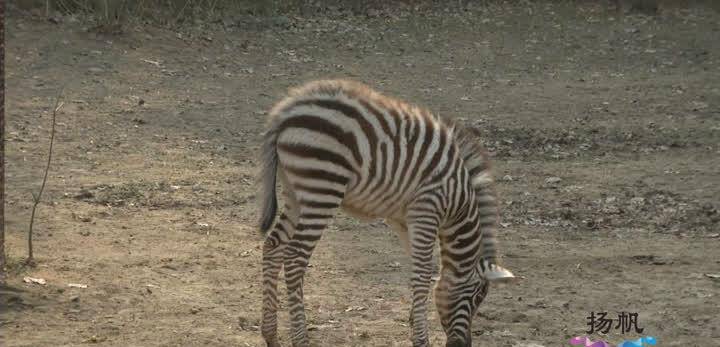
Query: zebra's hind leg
{"x": 313, "y": 218}
{"x": 273, "y": 257}
{"x": 422, "y": 233}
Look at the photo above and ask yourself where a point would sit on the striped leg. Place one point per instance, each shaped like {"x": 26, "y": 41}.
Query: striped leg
{"x": 273, "y": 256}
{"x": 422, "y": 232}
{"x": 314, "y": 217}
{"x": 402, "y": 232}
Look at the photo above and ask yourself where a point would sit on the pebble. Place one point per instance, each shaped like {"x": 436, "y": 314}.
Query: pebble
{"x": 637, "y": 201}
{"x": 553, "y": 180}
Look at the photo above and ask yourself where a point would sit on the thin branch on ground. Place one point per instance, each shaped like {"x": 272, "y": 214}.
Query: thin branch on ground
{"x": 36, "y": 198}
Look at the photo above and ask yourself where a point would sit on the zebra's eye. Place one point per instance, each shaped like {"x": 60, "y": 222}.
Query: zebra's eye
{"x": 477, "y": 299}
{"x": 480, "y": 294}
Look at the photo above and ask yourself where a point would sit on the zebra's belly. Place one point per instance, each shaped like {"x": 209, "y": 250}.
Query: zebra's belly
{"x": 359, "y": 214}
{"x": 392, "y": 207}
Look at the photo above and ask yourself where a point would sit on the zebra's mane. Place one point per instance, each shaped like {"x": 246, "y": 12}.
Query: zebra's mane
{"x": 475, "y": 157}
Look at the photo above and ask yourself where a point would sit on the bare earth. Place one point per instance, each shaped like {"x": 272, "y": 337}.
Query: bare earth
{"x": 605, "y": 133}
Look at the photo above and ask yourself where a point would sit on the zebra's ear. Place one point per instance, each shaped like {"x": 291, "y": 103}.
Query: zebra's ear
{"x": 497, "y": 273}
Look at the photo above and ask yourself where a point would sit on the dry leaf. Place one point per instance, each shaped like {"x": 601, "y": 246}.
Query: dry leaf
{"x": 312, "y": 327}
{"x": 152, "y": 62}
{"x": 355, "y": 308}
{"x": 34, "y": 280}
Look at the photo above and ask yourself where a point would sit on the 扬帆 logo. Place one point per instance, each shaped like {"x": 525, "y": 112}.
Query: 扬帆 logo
{"x": 585, "y": 341}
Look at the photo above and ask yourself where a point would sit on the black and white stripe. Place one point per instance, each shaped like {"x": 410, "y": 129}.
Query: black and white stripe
{"x": 339, "y": 144}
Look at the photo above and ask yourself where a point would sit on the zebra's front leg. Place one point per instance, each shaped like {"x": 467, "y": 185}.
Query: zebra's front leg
{"x": 308, "y": 231}
{"x": 422, "y": 231}
{"x": 402, "y": 232}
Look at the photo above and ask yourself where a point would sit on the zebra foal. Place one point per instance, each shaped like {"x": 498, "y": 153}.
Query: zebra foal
{"x": 339, "y": 144}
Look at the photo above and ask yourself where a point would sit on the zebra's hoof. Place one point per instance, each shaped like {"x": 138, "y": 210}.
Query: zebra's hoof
{"x": 421, "y": 343}
{"x": 301, "y": 342}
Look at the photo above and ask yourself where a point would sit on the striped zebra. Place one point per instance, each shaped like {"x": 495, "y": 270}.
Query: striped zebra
{"x": 339, "y": 144}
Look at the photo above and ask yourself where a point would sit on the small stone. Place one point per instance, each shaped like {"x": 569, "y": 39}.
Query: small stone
{"x": 507, "y": 178}
{"x": 698, "y": 105}
{"x": 637, "y": 201}
{"x": 519, "y": 317}
{"x": 553, "y": 180}
{"x": 713, "y": 276}
{"x": 280, "y": 21}
{"x": 95, "y": 70}
{"x": 75, "y": 298}
{"x": 244, "y": 323}
{"x": 84, "y": 194}
{"x": 611, "y": 210}
{"x": 194, "y": 310}
{"x": 95, "y": 339}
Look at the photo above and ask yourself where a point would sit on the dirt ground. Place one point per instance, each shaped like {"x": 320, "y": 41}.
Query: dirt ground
{"x": 605, "y": 131}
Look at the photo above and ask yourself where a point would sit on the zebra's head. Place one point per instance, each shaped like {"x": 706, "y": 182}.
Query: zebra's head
{"x": 457, "y": 302}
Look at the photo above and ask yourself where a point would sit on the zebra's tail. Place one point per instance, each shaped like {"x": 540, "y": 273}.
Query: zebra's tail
{"x": 268, "y": 179}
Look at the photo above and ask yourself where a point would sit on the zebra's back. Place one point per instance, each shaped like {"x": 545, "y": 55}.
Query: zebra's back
{"x": 377, "y": 151}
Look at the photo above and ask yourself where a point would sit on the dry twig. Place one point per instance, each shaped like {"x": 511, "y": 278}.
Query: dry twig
{"x": 36, "y": 198}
